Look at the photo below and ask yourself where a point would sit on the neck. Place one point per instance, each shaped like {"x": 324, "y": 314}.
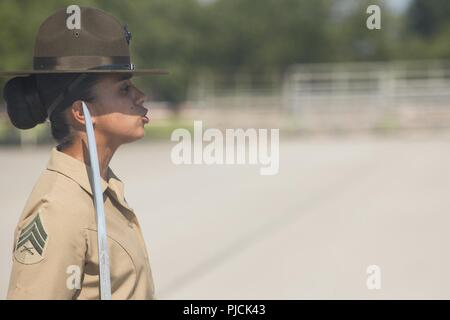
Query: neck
{"x": 79, "y": 150}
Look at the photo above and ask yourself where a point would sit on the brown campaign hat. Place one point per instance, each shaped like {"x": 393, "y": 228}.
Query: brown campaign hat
{"x": 98, "y": 44}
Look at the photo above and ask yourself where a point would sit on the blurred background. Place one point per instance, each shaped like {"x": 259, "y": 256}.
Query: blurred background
{"x": 364, "y": 119}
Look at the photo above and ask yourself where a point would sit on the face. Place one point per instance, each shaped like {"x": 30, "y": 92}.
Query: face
{"x": 118, "y": 110}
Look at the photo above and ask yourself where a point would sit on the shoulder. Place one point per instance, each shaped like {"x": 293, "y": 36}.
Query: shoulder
{"x": 58, "y": 200}
{"x": 54, "y": 218}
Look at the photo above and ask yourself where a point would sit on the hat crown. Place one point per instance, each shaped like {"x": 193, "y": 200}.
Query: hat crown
{"x": 98, "y": 44}
{"x": 100, "y": 41}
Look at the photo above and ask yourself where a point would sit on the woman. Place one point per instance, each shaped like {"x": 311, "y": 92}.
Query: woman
{"x": 55, "y": 253}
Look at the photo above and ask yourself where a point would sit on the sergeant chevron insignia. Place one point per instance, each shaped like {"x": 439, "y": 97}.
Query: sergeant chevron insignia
{"x": 31, "y": 243}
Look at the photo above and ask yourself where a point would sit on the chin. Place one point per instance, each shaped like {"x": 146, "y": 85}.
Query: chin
{"x": 139, "y": 135}
{"x": 130, "y": 135}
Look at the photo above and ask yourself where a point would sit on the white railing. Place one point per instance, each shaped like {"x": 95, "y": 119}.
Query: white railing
{"x": 360, "y": 85}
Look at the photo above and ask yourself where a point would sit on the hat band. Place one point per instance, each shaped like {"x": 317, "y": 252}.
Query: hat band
{"x": 80, "y": 63}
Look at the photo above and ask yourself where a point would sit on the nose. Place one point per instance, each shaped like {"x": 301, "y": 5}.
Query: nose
{"x": 145, "y": 111}
{"x": 139, "y": 97}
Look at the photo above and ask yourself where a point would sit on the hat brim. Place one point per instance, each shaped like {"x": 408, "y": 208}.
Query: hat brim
{"x": 137, "y": 72}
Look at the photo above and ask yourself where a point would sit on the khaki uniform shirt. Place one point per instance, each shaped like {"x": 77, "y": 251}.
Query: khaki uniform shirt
{"x": 55, "y": 252}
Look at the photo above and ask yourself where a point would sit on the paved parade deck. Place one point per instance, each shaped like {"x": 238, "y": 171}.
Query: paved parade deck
{"x": 337, "y": 206}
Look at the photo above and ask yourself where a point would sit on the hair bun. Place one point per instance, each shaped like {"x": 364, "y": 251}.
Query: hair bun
{"x": 24, "y": 105}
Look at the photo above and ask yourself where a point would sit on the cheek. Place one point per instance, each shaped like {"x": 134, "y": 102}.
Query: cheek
{"x": 121, "y": 125}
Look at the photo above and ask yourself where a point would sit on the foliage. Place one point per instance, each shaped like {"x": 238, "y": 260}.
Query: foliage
{"x": 229, "y": 37}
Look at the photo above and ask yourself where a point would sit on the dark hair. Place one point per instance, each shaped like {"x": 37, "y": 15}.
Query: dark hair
{"x": 28, "y": 99}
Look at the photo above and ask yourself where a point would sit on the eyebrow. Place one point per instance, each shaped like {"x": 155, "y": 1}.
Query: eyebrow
{"x": 124, "y": 77}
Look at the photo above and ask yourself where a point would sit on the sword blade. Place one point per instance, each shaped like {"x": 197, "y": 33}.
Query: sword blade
{"x": 103, "y": 256}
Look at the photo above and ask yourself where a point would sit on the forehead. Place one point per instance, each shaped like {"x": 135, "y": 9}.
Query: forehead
{"x": 111, "y": 79}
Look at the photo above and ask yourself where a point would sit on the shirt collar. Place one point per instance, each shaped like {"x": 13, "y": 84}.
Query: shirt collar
{"x": 80, "y": 172}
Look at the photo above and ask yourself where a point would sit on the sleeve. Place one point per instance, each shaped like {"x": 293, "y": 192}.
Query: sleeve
{"x": 49, "y": 254}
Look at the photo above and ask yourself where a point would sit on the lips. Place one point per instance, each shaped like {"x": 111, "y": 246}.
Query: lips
{"x": 144, "y": 115}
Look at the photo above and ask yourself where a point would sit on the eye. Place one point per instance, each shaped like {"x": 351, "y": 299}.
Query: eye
{"x": 125, "y": 88}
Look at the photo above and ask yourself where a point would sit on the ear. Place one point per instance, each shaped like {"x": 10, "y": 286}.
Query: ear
{"x": 77, "y": 114}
